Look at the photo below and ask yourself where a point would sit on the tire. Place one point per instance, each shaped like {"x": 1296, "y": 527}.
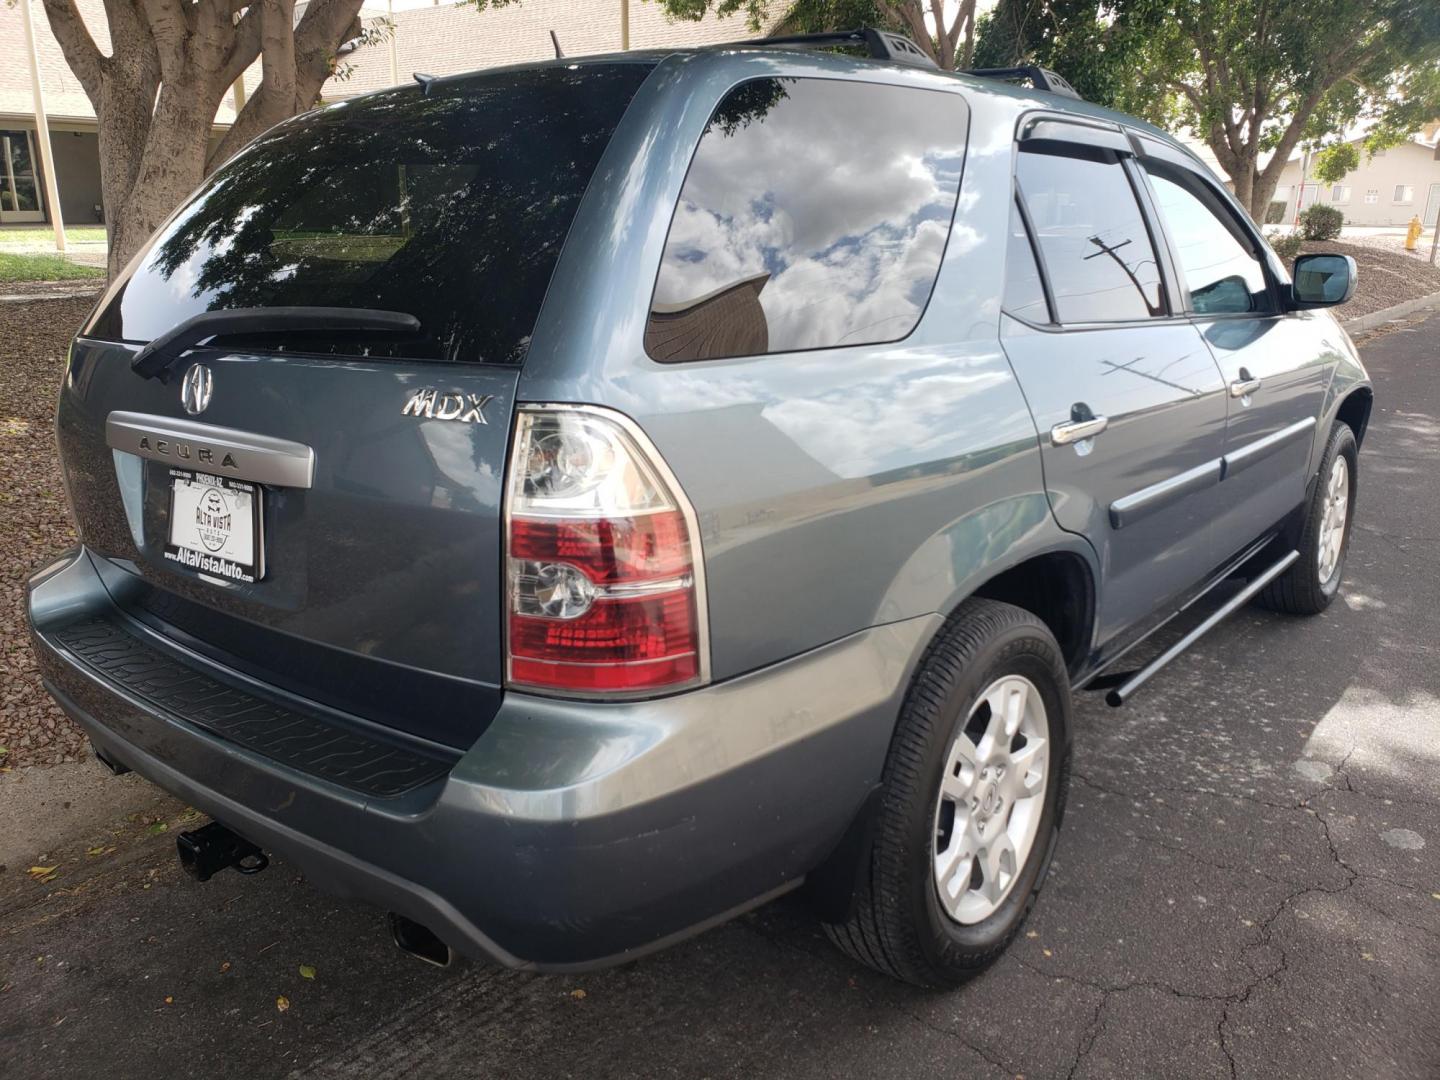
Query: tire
{"x": 1312, "y": 581}
{"x": 900, "y": 926}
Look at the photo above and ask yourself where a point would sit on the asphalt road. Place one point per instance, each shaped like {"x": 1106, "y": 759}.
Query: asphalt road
{"x": 1248, "y": 886}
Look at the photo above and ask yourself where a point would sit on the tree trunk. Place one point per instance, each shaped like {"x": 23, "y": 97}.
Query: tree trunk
{"x": 157, "y": 94}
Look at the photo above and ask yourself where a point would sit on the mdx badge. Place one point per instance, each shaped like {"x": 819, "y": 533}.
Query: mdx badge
{"x": 433, "y": 405}
{"x": 196, "y": 388}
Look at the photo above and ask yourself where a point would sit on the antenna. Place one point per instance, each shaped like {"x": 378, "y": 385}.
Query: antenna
{"x": 556, "y": 42}
{"x": 424, "y": 81}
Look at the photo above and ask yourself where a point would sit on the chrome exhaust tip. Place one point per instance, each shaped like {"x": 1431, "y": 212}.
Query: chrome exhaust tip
{"x": 419, "y": 941}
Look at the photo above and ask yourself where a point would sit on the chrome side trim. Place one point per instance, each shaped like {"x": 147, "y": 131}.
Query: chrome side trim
{"x": 188, "y": 444}
{"x": 1146, "y": 501}
{"x": 1263, "y": 447}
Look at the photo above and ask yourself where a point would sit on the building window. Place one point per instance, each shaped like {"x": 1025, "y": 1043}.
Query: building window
{"x": 1404, "y": 193}
{"x": 1340, "y": 193}
{"x": 1372, "y": 195}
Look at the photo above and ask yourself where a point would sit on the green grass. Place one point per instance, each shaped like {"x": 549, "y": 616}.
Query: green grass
{"x": 79, "y": 234}
{"x": 43, "y": 268}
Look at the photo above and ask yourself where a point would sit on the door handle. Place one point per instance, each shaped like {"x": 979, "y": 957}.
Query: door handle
{"x": 1078, "y": 430}
{"x": 1244, "y": 385}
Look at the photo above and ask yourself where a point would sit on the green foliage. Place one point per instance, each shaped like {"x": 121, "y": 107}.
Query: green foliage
{"x": 1321, "y": 222}
{"x": 1248, "y": 76}
{"x": 1336, "y": 162}
{"x": 1286, "y": 245}
{"x": 1099, "y": 48}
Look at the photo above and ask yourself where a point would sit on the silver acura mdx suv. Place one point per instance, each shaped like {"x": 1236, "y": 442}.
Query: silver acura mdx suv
{"x": 571, "y": 504}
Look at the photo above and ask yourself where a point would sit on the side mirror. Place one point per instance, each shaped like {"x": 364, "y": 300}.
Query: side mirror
{"x": 1323, "y": 280}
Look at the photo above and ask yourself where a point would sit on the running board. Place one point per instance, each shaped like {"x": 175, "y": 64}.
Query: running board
{"x": 1122, "y": 693}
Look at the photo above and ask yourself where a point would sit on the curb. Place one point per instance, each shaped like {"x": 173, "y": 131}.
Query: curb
{"x": 1375, "y": 319}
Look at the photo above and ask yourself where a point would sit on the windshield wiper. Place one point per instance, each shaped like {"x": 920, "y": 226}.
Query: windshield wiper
{"x": 156, "y": 358}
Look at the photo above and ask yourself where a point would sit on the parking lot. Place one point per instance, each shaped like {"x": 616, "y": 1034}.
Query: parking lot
{"x": 1248, "y": 885}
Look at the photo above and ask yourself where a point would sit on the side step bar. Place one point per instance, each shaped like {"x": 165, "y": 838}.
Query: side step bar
{"x": 1122, "y": 693}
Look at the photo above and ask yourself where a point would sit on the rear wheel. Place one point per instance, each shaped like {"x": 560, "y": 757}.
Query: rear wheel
{"x": 1313, "y": 580}
{"x": 974, "y": 790}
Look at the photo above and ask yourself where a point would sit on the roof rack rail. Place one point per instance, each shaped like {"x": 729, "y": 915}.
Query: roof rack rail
{"x": 1041, "y": 78}
{"x": 881, "y": 44}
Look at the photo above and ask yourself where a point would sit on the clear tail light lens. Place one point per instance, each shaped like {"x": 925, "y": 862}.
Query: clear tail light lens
{"x": 604, "y": 581}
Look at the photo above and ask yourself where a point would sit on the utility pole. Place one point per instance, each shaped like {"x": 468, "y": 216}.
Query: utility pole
{"x": 42, "y": 130}
{"x": 394, "y": 55}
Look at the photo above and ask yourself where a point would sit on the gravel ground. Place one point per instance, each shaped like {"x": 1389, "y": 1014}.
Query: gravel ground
{"x": 1387, "y": 277}
{"x": 34, "y": 523}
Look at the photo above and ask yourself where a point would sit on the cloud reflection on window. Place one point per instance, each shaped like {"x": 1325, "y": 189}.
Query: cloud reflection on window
{"x": 815, "y": 215}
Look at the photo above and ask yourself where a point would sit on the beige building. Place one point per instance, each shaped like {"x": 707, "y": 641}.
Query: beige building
{"x": 1388, "y": 189}
{"x": 442, "y": 40}
{"x": 448, "y": 39}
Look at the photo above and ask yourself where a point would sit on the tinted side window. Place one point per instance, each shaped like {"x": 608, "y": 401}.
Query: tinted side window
{"x": 1024, "y": 293}
{"x": 814, "y": 215}
{"x": 1222, "y": 274}
{"x": 1098, "y": 256}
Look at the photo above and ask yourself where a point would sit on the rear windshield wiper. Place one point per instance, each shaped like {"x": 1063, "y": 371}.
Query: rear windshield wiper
{"x": 156, "y": 358}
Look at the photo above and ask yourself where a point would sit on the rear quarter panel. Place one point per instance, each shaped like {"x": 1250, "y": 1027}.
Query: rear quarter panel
{"x": 836, "y": 489}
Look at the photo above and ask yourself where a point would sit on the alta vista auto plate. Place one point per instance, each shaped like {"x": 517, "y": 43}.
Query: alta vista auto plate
{"x": 215, "y": 526}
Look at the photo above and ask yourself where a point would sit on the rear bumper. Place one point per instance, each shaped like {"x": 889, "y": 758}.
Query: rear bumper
{"x": 572, "y": 834}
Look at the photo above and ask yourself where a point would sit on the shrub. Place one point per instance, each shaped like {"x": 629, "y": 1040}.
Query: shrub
{"x": 1286, "y": 245}
{"x": 1321, "y": 222}
{"x": 1275, "y": 212}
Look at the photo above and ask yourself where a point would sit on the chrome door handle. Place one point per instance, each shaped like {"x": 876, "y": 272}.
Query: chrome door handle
{"x": 1078, "y": 430}
{"x": 1244, "y": 387}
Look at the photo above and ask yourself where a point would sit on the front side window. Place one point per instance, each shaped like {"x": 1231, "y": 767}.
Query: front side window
{"x": 1222, "y": 273}
{"x": 1097, "y": 252}
{"x": 814, "y": 215}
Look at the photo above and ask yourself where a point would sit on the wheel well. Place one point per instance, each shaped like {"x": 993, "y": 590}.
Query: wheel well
{"x": 1355, "y": 411}
{"x": 1056, "y": 588}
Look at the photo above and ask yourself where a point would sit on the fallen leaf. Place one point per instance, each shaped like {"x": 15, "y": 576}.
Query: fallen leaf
{"x": 1047, "y": 952}
{"x": 95, "y": 851}
{"x": 169, "y": 1000}
{"x": 578, "y": 995}
{"x": 282, "y": 1003}
{"x": 1367, "y": 956}
{"x": 157, "y": 828}
{"x": 41, "y": 871}
{"x": 224, "y": 967}
{"x": 306, "y": 971}
{"x": 1032, "y": 933}
{"x": 1435, "y": 896}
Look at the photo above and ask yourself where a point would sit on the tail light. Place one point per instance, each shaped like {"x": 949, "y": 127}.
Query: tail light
{"x": 604, "y": 578}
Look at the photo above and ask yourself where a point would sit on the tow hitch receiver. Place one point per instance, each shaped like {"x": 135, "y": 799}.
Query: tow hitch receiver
{"x": 206, "y": 851}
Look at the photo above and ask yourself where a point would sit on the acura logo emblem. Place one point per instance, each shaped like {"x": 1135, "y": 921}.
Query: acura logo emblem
{"x": 196, "y": 388}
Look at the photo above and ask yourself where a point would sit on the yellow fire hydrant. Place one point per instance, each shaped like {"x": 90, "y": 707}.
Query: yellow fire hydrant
{"x": 1412, "y": 234}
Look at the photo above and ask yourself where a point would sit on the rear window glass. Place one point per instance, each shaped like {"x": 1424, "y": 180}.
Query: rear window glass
{"x": 451, "y": 207}
{"x": 814, "y": 215}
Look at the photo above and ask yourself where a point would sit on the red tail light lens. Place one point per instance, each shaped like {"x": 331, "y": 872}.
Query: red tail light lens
{"x": 603, "y": 576}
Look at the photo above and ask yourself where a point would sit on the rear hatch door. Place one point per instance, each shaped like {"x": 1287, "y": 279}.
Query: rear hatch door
{"x": 374, "y": 582}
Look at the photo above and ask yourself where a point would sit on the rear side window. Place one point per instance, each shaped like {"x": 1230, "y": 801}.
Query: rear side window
{"x": 1024, "y": 293}
{"x": 1098, "y": 256}
{"x": 450, "y": 206}
{"x": 814, "y": 215}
